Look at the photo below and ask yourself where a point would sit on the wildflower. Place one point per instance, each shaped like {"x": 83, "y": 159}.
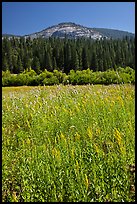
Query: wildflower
{"x": 77, "y": 108}
{"x": 122, "y": 149}
{"x": 98, "y": 131}
{"x": 77, "y": 167}
{"x": 28, "y": 141}
{"x": 120, "y": 100}
{"x": 56, "y": 153}
{"x": 117, "y": 135}
{"x": 77, "y": 136}
{"x": 26, "y": 105}
{"x": 28, "y": 124}
{"x": 44, "y": 147}
{"x": 90, "y": 133}
{"x": 63, "y": 137}
{"x": 96, "y": 148}
{"x": 86, "y": 181}
{"x": 73, "y": 153}
{"x": 18, "y": 125}
{"x": 14, "y": 196}
{"x": 55, "y": 140}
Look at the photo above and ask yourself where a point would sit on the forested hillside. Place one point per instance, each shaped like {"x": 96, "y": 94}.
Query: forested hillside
{"x": 66, "y": 54}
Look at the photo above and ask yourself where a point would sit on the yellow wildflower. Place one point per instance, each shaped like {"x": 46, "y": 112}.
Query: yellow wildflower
{"x": 117, "y": 135}
{"x": 77, "y": 136}
{"x": 73, "y": 153}
{"x": 18, "y": 125}
{"x": 63, "y": 137}
{"x": 56, "y": 153}
{"x": 86, "y": 181}
{"x": 96, "y": 148}
{"x": 98, "y": 131}
{"x": 28, "y": 124}
{"x": 77, "y": 167}
{"x": 28, "y": 141}
{"x": 90, "y": 133}
{"x": 14, "y": 196}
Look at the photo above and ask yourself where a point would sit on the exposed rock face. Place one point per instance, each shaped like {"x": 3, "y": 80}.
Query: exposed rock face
{"x": 69, "y": 30}
{"x": 74, "y": 31}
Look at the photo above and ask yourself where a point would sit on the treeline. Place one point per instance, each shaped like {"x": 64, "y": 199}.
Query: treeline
{"x": 66, "y": 54}
{"x": 31, "y": 78}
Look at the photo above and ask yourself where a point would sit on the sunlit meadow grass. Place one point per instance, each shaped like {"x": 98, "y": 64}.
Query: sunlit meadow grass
{"x": 68, "y": 143}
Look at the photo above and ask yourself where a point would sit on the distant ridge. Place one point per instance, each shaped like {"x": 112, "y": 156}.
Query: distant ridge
{"x": 10, "y": 35}
{"x": 113, "y": 33}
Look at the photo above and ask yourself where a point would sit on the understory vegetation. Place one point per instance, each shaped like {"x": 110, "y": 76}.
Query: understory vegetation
{"x": 68, "y": 143}
{"x": 30, "y": 78}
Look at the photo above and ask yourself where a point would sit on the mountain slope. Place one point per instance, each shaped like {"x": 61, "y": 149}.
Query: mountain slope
{"x": 73, "y": 31}
{"x": 112, "y": 33}
{"x": 69, "y": 30}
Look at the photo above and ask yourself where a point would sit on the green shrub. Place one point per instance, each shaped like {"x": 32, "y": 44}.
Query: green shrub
{"x": 30, "y": 78}
{"x": 50, "y": 81}
{"x": 34, "y": 81}
{"x": 29, "y": 72}
{"x": 60, "y": 76}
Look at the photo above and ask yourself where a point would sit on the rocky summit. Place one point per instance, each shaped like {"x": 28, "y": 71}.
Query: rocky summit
{"x": 69, "y": 30}
{"x": 74, "y": 31}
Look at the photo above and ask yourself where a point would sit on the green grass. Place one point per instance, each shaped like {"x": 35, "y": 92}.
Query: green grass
{"x": 68, "y": 143}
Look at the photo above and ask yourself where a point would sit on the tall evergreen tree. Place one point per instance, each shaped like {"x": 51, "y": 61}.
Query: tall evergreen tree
{"x": 54, "y": 63}
{"x": 47, "y": 61}
{"x": 36, "y": 65}
{"x": 5, "y": 66}
{"x": 85, "y": 63}
{"x": 94, "y": 62}
{"x": 67, "y": 58}
{"x": 74, "y": 59}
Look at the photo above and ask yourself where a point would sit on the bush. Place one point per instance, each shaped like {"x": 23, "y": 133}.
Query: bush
{"x": 30, "y": 78}
{"x": 60, "y": 76}
{"x": 29, "y": 72}
{"x": 34, "y": 81}
{"x": 50, "y": 81}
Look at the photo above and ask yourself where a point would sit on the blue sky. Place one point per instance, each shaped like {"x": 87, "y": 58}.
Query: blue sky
{"x": 21, "y": 18}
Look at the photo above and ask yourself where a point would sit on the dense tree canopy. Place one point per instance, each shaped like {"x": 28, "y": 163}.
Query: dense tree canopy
{"x": 66, "y": 54}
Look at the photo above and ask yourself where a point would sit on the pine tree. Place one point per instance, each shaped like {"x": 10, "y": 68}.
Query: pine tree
{"x": 15, "y": 64}
{"x": 47, "y": 61}
{"x": 61, "y": 59}
{"x": 54, "y": 63}
{"x": 85, "y": 63}
{"x": 94, "y": 62}
{"x": 5, "y": 66}
{"x": 67, "y": 58}
{"x": 19, "y": 65}
{"x": 74, "y": 59}
{"x": 27, "y": 62}
{"x": 36, "y": 65}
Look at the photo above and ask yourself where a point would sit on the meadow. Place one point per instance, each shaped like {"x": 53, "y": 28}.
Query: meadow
{"x": 68, "y": 143}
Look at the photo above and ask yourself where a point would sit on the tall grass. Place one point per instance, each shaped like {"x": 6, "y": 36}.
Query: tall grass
{"x": 68, "y": 143}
